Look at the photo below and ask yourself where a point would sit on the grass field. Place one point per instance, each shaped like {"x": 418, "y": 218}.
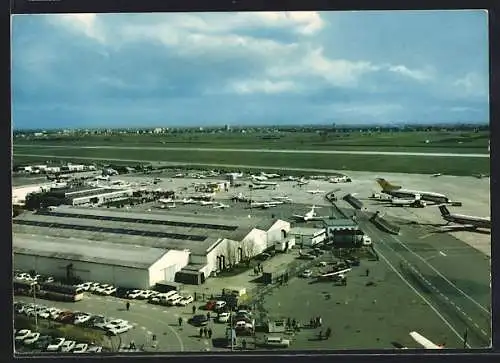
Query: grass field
{"x": 449, "y": 141}
{"x": 376, "y": 163}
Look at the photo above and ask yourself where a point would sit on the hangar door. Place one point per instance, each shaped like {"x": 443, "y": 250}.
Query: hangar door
{"x": 169, "y": 273}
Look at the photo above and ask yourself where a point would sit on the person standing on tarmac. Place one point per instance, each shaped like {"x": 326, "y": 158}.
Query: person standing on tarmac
{"x": 127, "y": 306}
{"x": 180, "y": 321}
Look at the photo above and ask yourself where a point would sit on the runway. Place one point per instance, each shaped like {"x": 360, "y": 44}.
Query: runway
{"x": 435, "y": 271}
{"x": 286, "y": 151}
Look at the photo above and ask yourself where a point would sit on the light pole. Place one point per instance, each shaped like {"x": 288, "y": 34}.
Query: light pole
{"x": 34, "y": 302}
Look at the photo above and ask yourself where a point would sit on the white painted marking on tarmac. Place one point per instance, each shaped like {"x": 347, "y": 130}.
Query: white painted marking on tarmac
{"x": 470, "y": 319}
{"x": 484, "y": 333}
{"x": 442, "y": 253}
{"x": 143, "y": 327}
{"x": 149, "y": 333}
{"x": 426, "y": 235}
{"x": 441, "y": 275}
{"x": 423, "y": 298}
{"x": 476, "y": 325}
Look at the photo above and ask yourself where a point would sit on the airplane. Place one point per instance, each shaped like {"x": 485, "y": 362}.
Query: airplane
{"x": 480, "y": 176}
{"x": 423, "y": 341}
{"x": 258, "y": 186}
{"x": 235, "y": 175}
{"x": 436, "y": 175}
{"x": 338, "y": 179}
{"x": 265, "y": 183}
{"x": 264, "y": 204}
{"x": 417, "y": 202}
{"x": 269, "y": 176}
{"x": 290, "y": 178}
{"x": 302, "y": 181}
{"x": 166, "y": 201}
{"x": 180, "y": 175}
{"x": 221, "y": 205}
{"x": 316, "y": 191}
{"x": 398, "y": 191}
{"x": 310, "y": 216}
{"x": 258, "y": 177}
{"x": 189, "y": 201}
{"x": 106, "y": 178}
{"x": 204, "y": 202}
{"x": 466, "y": 221}
{"x": 335, "y": 275}
{"x": 284, "y": 199}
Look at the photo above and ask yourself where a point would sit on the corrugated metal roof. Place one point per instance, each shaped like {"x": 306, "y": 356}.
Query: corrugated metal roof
{"x": 340, "y": 222}
{"x": 74, "y": 249}
{"x": 305, "y": 230}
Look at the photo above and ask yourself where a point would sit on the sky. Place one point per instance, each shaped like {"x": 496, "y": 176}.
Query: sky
{"x": 267, "y": 68}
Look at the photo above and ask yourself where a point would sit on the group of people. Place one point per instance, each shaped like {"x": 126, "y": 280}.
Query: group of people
{"x": 206, "y": 332}
{"x": 327, "y": 334}
{"x": 293, "y": 324}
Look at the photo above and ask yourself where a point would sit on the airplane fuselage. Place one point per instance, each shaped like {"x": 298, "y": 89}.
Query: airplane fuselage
{"x": 432, "y": 197}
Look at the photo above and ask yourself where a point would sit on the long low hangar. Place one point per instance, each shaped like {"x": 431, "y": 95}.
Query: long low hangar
{"x": 137, "y": 249}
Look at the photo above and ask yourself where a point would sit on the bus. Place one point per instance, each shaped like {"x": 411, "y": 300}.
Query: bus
{"x": 23, "y": 287}
{"x": 55, "y": 291}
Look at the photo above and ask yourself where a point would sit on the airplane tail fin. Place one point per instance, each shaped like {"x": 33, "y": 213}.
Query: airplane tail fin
{"x": 386, "y": 185}
{"x": 444, "y": 210}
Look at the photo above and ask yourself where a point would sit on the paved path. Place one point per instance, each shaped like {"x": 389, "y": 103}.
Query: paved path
{"x": 286, "y": 151}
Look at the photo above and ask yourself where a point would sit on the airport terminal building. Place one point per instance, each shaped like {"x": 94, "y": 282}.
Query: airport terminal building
{"x": 137, "y": 249}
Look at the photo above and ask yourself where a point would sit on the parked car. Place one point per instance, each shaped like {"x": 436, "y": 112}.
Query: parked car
{"x": 22, "y": 334}
{"x": 210, "y": 305}
{"x": 68, "y": 345}
{"x": 94, "y": 349}
{"x": 55, "y": 344}
{"x": 223, "y": 317}
{"x": 277, "y": 342}
{"x": 31, "y": 338}
{"x": 115, "y": 323}
{"x": 199, "y": 320}
{"x": 93, "y": 286}
{"x": 81, "y": 318}
{"x": 174, "y": 300}
{"x": 306, "y": 273}
{"x": 80, "y": 348}
{"x": 185, "y": 300}
{"x": 134, "y": 294}
{"x": 119, "y": 329}
{"x": 109, "y": 291}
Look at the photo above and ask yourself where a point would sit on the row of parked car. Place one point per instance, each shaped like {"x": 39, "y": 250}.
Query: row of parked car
{"x": 26, "y": 276}
{"x": 171, "y": 298}
{"x": 110, "y": 325}
{"x": 35, "y": 341}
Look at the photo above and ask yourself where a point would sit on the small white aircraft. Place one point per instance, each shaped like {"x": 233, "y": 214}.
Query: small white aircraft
{"x": 204, "y": 202}
{"x": 221, "y": 205}
{"x": 106, "y": 178}
{"x": 436, "y": 175}
{"x": 166, "y": 201}
{"x": 338, "y": 179}
{"x": 315, "y": 191}
{"x": 269, "y": 176}
{"x": 264, "y": 205}
{"x": 310, "y": 216}
{"x": 290, "y": 178}
{"x": 424, "y": 342}
{"x": 283, "y": 199}
{"x": 258, "y": 177}
{"x": 258, "y": 186}
{"x": 302, "y": 181}
{"x": 265, "y": 183}
{"x": 180, "y": 175}
{"x": 189, "y": 201}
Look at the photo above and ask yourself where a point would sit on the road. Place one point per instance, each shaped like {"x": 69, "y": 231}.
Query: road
{"x": 286, "y": 151}
{"x": 452, "y": 278}
{"x": 148, "y": 320}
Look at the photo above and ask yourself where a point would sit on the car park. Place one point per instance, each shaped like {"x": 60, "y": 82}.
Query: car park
{"x": 55, "y": 344}
{"x": 68, "y": 345}
{"x": 80, "y": 348}
{"x": 22, "y": 334}
{"x": 31, "y": 338}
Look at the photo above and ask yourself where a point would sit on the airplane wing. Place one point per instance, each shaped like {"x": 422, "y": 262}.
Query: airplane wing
{"x": 331, "y": 274}
{"x": 423, "y": 341}
{"x": 297, "y": 216}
